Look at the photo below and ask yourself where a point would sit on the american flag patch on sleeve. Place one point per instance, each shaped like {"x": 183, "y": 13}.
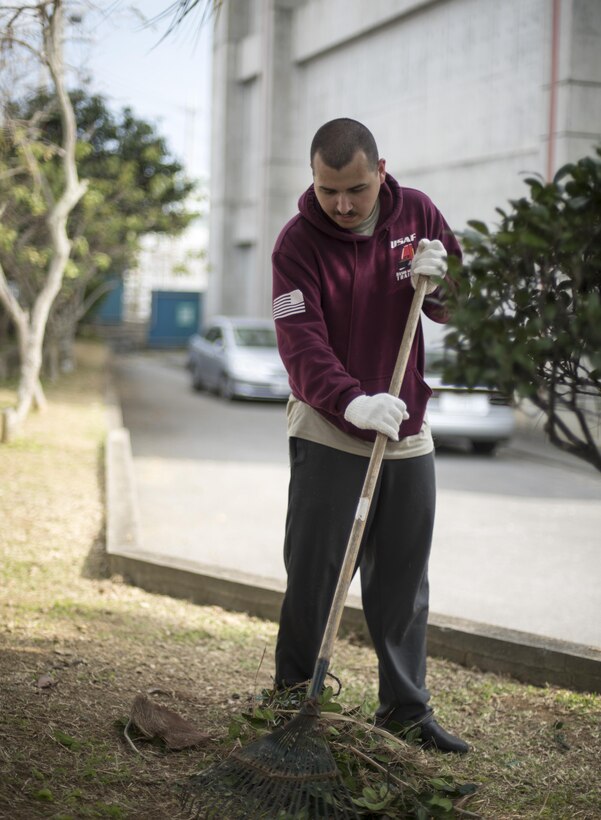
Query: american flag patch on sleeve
{"x": 288, "y": 304}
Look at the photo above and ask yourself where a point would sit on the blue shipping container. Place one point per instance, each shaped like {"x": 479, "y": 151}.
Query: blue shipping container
{"x": 109, "y": 309}
{"x": 175, "y": 316}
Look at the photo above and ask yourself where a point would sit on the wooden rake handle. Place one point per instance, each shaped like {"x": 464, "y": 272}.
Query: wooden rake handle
{"x": 367, "y": 493}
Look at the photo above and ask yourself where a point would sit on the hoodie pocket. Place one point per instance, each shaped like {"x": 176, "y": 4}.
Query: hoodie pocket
{"x": 414, "y": 392}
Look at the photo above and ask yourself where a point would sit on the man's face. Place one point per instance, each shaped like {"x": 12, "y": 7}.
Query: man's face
{"x": 348, "y": 196}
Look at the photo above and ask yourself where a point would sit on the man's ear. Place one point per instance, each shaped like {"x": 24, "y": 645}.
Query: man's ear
{"x": 382, "y": 170}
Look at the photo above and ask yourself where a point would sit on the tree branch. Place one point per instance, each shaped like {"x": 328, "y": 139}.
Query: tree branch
{"x": 10, "y": 40}
{"x": 52, "y": 47}
{"x": 9, "y": 300}
{"x": 13, "y": 172}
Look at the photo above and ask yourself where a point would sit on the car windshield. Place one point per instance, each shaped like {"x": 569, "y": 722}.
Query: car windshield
{"x": 255, "y": 337}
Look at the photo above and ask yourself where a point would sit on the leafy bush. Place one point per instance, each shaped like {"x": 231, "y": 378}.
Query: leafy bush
{"x": 526, "y": 312}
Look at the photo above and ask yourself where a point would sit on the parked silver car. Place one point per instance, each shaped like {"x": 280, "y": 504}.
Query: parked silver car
{"x": 238, "y": 358}
{"x": 482, "y": 417}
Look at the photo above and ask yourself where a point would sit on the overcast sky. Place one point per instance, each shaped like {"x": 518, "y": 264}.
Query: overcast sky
{"x": 165, "y": 82}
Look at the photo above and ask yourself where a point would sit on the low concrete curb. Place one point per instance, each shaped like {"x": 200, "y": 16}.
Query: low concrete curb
{"x": 121, "y": 501}
{"x": 526, "y": 657}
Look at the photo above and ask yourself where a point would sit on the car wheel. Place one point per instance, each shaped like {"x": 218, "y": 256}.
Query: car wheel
{"x": 484, "y": 448}
{"x": 197, "y": 382}
{"x": 226, "y": 387}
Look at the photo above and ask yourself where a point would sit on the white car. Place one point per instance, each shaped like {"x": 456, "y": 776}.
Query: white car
{"x": 481, "y": 416}
{"x": 237, "y": 357}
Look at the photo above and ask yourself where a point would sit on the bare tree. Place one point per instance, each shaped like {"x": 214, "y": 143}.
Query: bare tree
{"x": 37, "y": 30}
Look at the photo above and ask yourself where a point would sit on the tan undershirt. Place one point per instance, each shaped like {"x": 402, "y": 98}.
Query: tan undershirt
{"x": 307, "y": 423}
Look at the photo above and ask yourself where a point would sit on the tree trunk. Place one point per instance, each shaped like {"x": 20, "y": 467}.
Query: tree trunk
{"x": 29, "y": 339}
{"x": 32, "y": 326}
{"x": 30, "y": 333}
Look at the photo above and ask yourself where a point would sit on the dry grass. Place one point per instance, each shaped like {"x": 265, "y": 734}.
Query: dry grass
{"x": 77, "y": 646}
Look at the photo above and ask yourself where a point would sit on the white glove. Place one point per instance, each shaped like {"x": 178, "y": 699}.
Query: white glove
{"x": 430, "y": 260}
{"x": 381, "y": 412}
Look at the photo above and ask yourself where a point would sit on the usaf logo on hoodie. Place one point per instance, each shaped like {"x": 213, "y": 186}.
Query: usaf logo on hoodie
{"x": 403, "y": 267}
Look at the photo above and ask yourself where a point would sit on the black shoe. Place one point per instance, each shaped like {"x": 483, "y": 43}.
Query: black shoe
{"x": 433, "y": 736}
{"x": 427, "y": 734}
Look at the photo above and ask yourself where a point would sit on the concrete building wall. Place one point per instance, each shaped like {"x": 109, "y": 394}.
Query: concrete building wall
{"x": 456, "y": 92}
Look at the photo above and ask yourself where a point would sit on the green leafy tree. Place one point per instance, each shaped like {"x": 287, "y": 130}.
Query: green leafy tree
{"x": 526, "y": 315}
{"x": 134, "y": 188}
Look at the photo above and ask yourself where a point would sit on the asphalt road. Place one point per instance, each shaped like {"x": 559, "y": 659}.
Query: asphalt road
{"x": 518, "y": 535}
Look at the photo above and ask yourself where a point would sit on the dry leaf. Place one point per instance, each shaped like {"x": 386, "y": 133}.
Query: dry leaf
{"x": 154, "y": 720}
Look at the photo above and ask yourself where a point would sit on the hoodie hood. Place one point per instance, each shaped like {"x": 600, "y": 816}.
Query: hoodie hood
{"x": 391, "y": 205}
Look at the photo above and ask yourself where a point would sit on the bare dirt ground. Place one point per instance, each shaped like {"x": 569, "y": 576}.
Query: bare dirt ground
{"x": 77, "y": 646}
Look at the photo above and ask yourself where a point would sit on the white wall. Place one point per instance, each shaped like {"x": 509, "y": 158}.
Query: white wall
{"x": 456, "y": 93}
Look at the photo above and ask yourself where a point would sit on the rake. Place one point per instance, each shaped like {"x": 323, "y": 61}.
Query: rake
{"x": 291, "y": 772}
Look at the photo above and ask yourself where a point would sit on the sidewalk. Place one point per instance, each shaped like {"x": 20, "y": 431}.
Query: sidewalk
{"x": 157, "y": 545}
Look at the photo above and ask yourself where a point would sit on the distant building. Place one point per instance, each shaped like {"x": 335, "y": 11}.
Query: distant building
{"x": 166, "y": 263}
{"x": 463, "y": 97}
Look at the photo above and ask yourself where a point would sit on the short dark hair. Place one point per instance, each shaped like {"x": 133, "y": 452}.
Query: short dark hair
{"x": 339, "y": 140}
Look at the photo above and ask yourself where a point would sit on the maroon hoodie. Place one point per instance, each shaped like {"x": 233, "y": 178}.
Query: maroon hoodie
{"x": 341, "y": 301}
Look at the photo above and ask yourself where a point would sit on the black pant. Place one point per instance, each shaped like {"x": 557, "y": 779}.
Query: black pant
{"x": 325, "y": 485}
